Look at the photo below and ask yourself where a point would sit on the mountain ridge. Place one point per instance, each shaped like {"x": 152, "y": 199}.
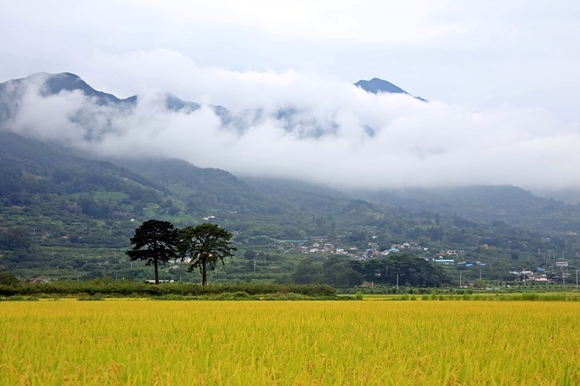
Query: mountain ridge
{"x": 507, "y": 203}
{"x": 377, "y": 85}
{"x": 53, "y": 84}
{"x": 290, "y": 117}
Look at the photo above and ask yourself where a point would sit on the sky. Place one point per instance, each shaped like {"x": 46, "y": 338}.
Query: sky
{"x": 502, "y": 78}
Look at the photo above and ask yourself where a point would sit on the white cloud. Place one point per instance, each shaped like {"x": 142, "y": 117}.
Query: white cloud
{"x": 521, "y": 53}
{"x": 502, "y": 76}
{"x": 415, "y": 143}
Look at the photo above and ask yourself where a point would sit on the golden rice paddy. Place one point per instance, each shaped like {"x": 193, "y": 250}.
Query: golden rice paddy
{"x": 140, "y": 342}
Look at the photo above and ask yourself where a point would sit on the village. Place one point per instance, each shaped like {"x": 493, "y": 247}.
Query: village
{"x": 558, "y": 270}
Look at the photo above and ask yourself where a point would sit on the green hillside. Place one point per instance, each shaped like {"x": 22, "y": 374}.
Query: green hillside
{"x": 63, "y": 216}
{"x": 510, "y": 204}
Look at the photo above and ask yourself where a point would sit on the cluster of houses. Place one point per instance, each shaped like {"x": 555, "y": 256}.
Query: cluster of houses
{"x": 450, "y": 257}
{"x": 540, "y": 276}
{"x": 373, "y": 251}
{"x": 370, "y": 252}
{"x": 464, "y": 264}
{"x": 527, "y": 275}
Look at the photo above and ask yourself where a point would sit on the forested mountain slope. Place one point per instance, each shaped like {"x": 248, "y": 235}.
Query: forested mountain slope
{"x": 510, "y": 204}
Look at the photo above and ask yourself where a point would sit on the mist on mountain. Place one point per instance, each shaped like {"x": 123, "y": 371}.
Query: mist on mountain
{"x": 303, "y": 128}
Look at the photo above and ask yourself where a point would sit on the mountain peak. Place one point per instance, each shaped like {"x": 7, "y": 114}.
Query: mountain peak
{"x": 67, "y": 81}
{"x": 377, "y": 85}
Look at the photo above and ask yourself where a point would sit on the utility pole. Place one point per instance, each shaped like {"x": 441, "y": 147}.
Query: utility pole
{"x": 563, "y": 280}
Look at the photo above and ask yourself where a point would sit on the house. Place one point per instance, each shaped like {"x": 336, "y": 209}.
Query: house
{"x": 444, "y": 261}
{"x": 38, "y": 280}
{"x": 539, "y": 278}
{"x": 160, "y": 281}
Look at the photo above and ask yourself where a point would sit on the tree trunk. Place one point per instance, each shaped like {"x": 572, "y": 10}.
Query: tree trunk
{"x": 156, "y": 262}
{"x": 203, "y": 274}
{"x": 156, "y": 272}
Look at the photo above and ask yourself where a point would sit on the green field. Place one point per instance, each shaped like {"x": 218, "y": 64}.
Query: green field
{"x": 142, "y": 342}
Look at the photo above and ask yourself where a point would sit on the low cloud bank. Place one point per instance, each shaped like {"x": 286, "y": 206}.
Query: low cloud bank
{"x": 312, "y": 128}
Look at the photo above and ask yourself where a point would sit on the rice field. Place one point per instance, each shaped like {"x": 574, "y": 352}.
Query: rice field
{"x": 140, "y": 342}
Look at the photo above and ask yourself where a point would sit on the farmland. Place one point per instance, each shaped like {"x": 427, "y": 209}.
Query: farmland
{"x": 136, "y": 342}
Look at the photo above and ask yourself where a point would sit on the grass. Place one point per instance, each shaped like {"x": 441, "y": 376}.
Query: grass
{"x": 136, "y": 342}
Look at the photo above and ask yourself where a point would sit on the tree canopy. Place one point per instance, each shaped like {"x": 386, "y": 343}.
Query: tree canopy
{"x": 404, "y": 269}
{"x": 205, "y": 244}
{"x": 154, "y": 242}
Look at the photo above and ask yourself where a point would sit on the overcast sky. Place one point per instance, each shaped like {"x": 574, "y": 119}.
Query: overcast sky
{"x": 503, "y": 78}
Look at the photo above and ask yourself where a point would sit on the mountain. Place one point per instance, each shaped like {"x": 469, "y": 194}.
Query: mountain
{"x": 99, "y": 112}
{"x": 377, "y": 85}
{"x": 66, "y": 216}
{"x": 36, "y": 174}
{"x": 12, "y": 92}
{"x": 94, "y": 123}
{"x": 510, "y": 204}
{"x": 54, "y": 84}
{"x": 68, "y": 213}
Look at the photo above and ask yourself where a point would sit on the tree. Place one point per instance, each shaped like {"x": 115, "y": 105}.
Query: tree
{"x": 308, "y": 272}
{"x": 15, "y": 238}
{"x": 205, "y": 244}
{"x": 7, "y": 278}
{"x": 479, "y": 284}
{"x": 340, "y": 273}
{"x": 155, "y": 242}
{"x": 406, "y": 270}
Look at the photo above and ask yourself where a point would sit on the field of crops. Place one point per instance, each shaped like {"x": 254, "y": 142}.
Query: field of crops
{"x": 144, "y": 342}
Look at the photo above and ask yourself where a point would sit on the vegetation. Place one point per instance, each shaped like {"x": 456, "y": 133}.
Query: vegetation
{"x": 205, "y": 245}
{"x": 507, "y": 204}
{"x": 65, "y": 217}
{"x": 8, "y": 279}
{"x": 132, "y": 289}
{"x": 330, "y": 343}
{"x": 154, "y": 242}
